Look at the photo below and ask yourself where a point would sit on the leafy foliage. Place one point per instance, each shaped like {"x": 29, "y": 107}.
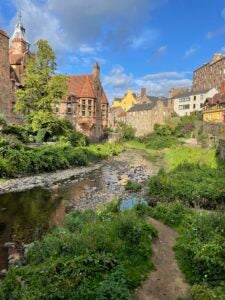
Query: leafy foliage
{"x": 133, "y": 186}
{"x": 127, "y": 132}
{"x": 20, "y": 160}
{"x": 93, "y": 256}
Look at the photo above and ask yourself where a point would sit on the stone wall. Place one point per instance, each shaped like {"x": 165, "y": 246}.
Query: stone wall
{"x": 6, "y": 92}
{"x": 214, "y": 129}
{"x": 222, "y": 148}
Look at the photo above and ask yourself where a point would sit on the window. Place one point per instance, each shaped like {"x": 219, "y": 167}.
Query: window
{"x": 201, "y": 105}
{"x": 89, "y": 108}
{"x": 103, "y": 110}
{"x": 83, "y": 108}
{"x": 194, "y": 98}
{"x": 69, "y": 108}
{"x": 186, "y": 106}
{"x": 194, "y": 106}
{"x": 57, "y": 108}
{"x": 69, "y": 105}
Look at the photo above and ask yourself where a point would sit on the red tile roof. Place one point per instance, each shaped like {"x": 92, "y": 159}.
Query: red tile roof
{"x": 83, "y": 86}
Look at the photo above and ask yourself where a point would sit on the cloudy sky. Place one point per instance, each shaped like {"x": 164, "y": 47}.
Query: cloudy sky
{"x": 139, "y": 43}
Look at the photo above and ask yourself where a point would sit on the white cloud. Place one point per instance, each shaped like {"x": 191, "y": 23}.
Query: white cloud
{"x": 118, "y": 78}
{"x": 118, "y": 81}
{"x": 163, "y": 75}
{"x": 161, "y": 51}
{"x": 191, "y": 51}
{"x": 40, "y": 23}
{"x": 222, "y": 50}
{"x": 85, "y": 49}
{"x": 218, "y": 32}
{"x": 144, "y": 40}
{"x": 74, "y": 24}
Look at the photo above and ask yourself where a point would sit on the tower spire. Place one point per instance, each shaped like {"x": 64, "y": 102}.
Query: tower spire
{"x": 19, "y": 32}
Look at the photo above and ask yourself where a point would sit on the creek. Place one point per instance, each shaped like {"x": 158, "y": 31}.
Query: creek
{"x": 25, "y": 216}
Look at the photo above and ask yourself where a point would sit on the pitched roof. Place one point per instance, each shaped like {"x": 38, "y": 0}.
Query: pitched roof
{"x": 83, "y": 86}
{"x": 148, "y": 106}
{"x": 191, "y": 93}
{"x": 142, "y": 107}
{"x": 217, "y": 99}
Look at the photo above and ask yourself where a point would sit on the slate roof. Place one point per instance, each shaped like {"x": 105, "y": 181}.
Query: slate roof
{"x": 148, "y": 106}
{"x": 191, "y": 93}
{"x": 83, "y": 86}
{"x": 142, "y": 107}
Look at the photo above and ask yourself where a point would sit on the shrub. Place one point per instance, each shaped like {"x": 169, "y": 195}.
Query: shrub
{"x": 93, "y": 256}
{"x": 126, "y": 130}
{"x": 133, "y": 186}
{"x": 194, "y": 184}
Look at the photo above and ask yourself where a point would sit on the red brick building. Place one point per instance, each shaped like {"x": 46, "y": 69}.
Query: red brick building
{"x": 7, "y": 97}
{"x": 86, "y": 104}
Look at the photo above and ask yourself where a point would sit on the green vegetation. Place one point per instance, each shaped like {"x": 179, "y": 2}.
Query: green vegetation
{"x": 200, "y": 247}
{"x": 127, "y": 132}
{"x": 98, "y": 256}
{"x": 194, "y": 176}
{"x": 16, "y": 159}
{"x": 133, "y": 186}
{"x": 43, "y": 91}
{"x": 177, "y": 156}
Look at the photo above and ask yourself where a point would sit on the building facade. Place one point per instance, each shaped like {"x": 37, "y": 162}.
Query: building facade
{"x": 86, "y": 104}
{"x": 214, "y": 108}
{"x": 188, "y": 102}
{"x": 143, "y": 117}
{"x": 127, "y": 101}
{"x": 7, "y": 97}
{"x": 210, "y": 75}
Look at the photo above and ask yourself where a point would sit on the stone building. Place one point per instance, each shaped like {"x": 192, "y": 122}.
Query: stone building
{"x": 190, "y": 101}
{"x": 86, "y": 104}
{"x": 7, "y": 97}
{"x": 214, "y": 107}
{"x": 210, "y": 75}
{"x": 143, "y": 117}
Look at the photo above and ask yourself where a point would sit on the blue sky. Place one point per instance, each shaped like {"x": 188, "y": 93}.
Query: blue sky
{"x": 139, "y": 43}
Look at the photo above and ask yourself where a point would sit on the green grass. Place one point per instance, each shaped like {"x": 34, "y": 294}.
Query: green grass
{"x": 134, "y": 144}
{"x": 100, "y": 256}
{"x": 180, "y": 155}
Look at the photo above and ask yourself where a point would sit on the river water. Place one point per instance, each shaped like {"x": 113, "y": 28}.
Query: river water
{"x": 26, "y": 216}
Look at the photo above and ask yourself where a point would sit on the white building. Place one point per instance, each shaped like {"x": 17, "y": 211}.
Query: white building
{"x": 186, "y": 103}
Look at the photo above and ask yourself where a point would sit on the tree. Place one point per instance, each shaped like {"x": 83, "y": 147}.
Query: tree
{"x": 43, "y": 89}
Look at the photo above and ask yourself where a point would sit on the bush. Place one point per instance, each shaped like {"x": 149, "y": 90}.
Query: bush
{"x": 93, "y": 256}
{"x": 127, "y": 131}
{"x": 207, "y": 191}
{"x": 133, "y": 186}
{"x": 16, "y": 161}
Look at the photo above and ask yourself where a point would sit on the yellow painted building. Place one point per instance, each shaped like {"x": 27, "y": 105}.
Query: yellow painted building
{"x": 214, "y": 109}
{"x": 129, "y": 100}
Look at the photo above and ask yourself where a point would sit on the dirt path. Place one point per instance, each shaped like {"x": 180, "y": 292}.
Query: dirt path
{"x": 167, "y": 281}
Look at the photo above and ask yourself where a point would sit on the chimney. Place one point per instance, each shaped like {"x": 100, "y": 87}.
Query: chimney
{"x": 222, "y": 89}
{"x": 143, "y": 92}
{"x": 217, "y": 56}
{"x": 96, "y": 70}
